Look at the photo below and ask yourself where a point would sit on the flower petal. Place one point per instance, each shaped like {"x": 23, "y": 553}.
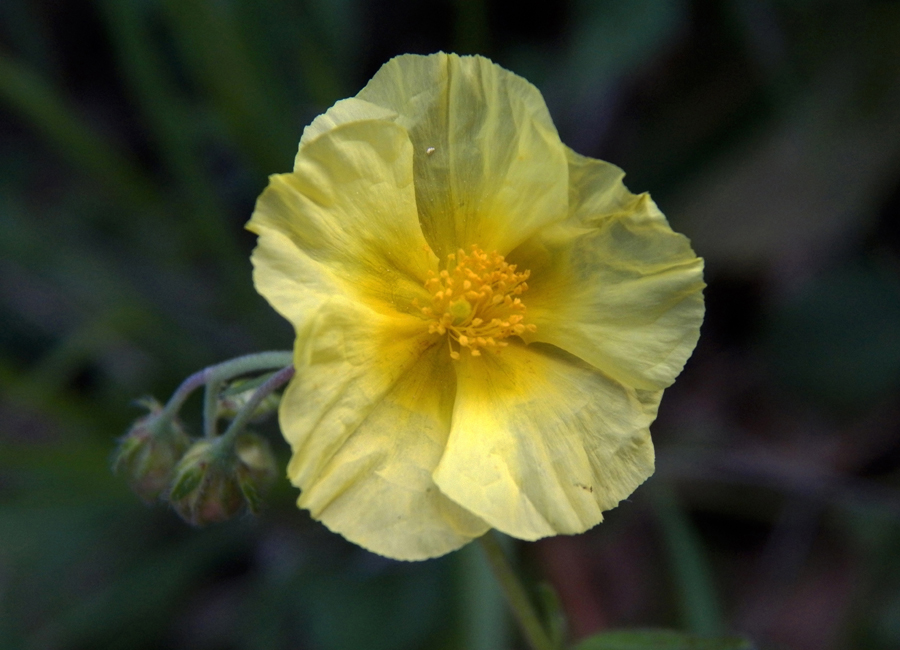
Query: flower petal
{"x": 367, "y": 417}
{"x": 344, "y": 111}
{"x": 349, "y": 208}
{"x": 541, "y": 443}
{"x": 289, "y": 279}
{"x": 489, "y": 166}
{"x": 614, "y": 285}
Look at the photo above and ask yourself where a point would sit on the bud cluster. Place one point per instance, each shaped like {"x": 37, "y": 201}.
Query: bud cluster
{"x": 210, "y": 479}
{"x": 216, "y": 478}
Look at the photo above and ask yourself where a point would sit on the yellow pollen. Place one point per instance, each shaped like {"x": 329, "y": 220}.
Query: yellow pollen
{"x": 475, "y": 302}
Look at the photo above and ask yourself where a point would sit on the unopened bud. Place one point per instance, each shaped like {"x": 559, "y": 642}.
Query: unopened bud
{"x": 256, "y": 468}
{"x": 215, "y": 479}
{"x": 147, "y": 453}
{"x": 204, "y": 488}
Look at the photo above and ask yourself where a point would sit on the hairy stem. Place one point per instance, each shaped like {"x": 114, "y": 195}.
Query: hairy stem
{"x": 243, "y": 416}
{"x": 223, "y": 371}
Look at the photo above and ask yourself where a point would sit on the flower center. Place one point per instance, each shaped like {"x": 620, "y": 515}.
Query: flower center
{"x": 475, "y": 302}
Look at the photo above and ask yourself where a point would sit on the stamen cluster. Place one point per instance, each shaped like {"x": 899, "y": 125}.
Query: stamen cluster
{"x": 475, "y": 302}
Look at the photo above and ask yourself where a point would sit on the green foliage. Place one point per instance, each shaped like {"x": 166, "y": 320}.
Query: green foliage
{"x": 392, "y": 609}
{"x": 701, "y": 611}
{"x": 135, "y": 137}
{"x": 553, "y": 614}
{"x": 49, "y": 113}
{"x": 660, "y": 640}
{"x": 837, "y": 343}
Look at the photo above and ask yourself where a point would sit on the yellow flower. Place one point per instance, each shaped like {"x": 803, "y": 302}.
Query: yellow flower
{"x": 485, "y": 319}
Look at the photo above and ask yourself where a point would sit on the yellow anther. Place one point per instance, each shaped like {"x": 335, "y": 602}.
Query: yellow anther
{"x": 483, "y": 310}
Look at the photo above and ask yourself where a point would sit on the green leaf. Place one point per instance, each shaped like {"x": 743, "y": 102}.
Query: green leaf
{"x": 166, "y": 115}
{"x": 28, "y": 94}
{"x": 692, "y": 574}
{"x": 245, "y": 93}
{"x": 553, "y": 614}
{"x": 660, "y": 640}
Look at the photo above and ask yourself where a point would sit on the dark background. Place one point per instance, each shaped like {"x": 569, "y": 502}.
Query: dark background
{"x": 135, "y": 136}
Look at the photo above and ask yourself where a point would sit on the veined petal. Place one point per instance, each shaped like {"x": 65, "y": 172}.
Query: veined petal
{"x": 347, "y": 110}
{"x": 292, "y": 282}
{"x": 614, "y": 285}
{"x": 350, "y": 209}
{"x": 367, "y": 416}
{"x": 542, "y": 443}
{"x": 489, "y": 166}
{"x": 397, "y": 447}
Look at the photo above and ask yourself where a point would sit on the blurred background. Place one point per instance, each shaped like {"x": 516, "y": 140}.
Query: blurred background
{"x": 135, "y": 136}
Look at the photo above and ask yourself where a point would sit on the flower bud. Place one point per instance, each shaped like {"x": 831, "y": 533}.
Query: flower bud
{"x": 216, "y": 478}
{"x": 204, "y": 487}
{"x": 147, "y": 453}
{"x": 257, "y": 468}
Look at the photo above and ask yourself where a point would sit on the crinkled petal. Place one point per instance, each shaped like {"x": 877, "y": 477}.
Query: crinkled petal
{"x": 614, "y": 285}
{"x": 541, "y": 443}
{"x": 349, "y": 208}
{"x": 351, "y": 109}
{"x": 292, "y": 282}
{"x": 489, "y": 166}
{"x": 367, "y": 417}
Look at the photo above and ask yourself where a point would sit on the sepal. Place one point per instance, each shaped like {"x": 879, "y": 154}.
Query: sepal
{"x": 146, "y": 455}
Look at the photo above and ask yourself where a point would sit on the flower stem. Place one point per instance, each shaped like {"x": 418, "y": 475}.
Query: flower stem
{"x": 223, "y": 371}
{"x": 210, "y": 407}
{"x": 516, "y": 596}
{"x": 243, "y": 416}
